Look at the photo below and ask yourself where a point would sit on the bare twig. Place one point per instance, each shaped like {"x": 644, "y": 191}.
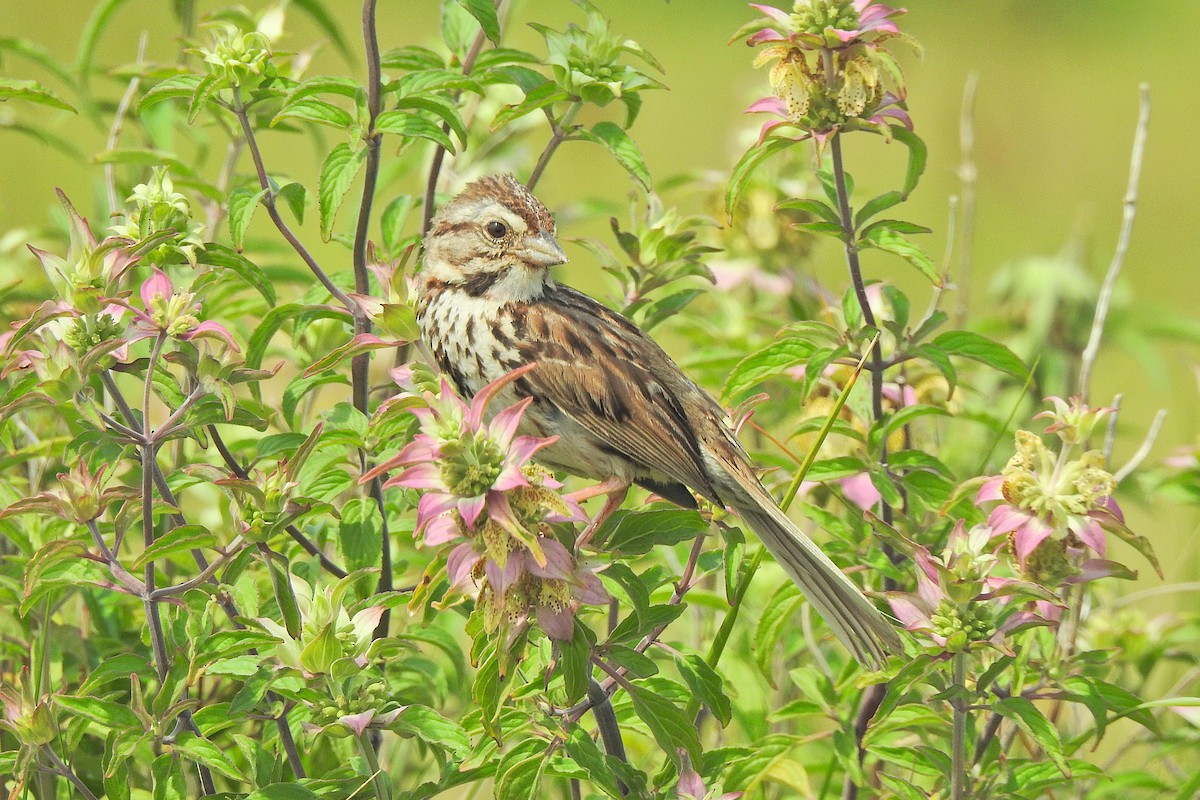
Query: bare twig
{"x": 968, "y": 175}
{"x": 1114, "y": 268}
{"x": 439, "y": 153}
{"x": 264, "y": 182}
{"x": 114, "y": 132}
{"x": 1137, "y": 458}
{"x": 61, "y": 769}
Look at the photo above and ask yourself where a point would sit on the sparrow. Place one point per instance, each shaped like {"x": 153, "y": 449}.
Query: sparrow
{"x": 622, "y": 409}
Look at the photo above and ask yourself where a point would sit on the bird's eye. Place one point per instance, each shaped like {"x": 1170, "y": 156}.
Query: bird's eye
{"x": 496, "y": 229}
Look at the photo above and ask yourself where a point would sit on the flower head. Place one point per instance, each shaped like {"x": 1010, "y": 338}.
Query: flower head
{"x": 1051, "y": 506}
{"x": 327, "y": 632}
{"x": 829, "y": 70}
{"x": 955, "y": 602}
{"x": 161, "y": 212}
{"x": 166, "y": 311}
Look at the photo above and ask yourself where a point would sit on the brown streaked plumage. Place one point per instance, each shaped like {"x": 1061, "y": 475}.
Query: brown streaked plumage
{"x": 623, "y": 410}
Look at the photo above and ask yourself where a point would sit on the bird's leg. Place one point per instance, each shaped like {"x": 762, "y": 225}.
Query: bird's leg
{"x": 616, "y": 489}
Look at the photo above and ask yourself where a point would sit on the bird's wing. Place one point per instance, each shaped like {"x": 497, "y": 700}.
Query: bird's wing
{"x": 612, "y": 379}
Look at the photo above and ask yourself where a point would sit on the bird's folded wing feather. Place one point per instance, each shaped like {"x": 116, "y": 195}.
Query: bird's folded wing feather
{"x": 614, "y": 381}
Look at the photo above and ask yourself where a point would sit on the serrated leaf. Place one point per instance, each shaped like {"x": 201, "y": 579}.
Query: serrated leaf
{"x": 917, "y": 155}
{"x": 199, "y": 101}
{"x": 669, "y": 726}
{"x": 519, "y": 774}
{"x": 409, "y": 125}
{"x": 429, "y": 726}
{"x": 1033, "y": 722}
{"x": 484, "y": 12}
{"x": 623, "y": 149}
{"x": 815, "y": 207}
{"x": 277, "y": 318}
{"x": 102, "y": 712}
{"x": 361, "y": 343}
{"x": 172, "y": 88}
{"x": 584, "y": 752}
{"x": 242, "y": 204}
{"x": 218, "y": 255}
{"x": 764, "y": 363}
{"x": 31, "y": 92}
{"x": 982, "y": 349}
{"x": 706, "y": 685}
{"x": 358, "y": 533}
{"x": 185, "y": 537}
{"x": 637, "y": 532}
{"x": 202, "y": 751}
{"x": 295, "y": 196}
{"x": 745, "y": 167}
{"x": 877, "y": 205}
{"x": 310, "y": 109}
{"x": 446, "y": 111}
{"x": 888, "y": 240}
{"x": 337, "y": 173}
{"x": 777, "y": 613}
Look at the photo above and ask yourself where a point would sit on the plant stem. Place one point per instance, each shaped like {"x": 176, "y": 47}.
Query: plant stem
{"x": 958, "y": 744}
{"x": 360, "y": 365}
{"x": 1114, "y": 268}
{"x": 368, "y": 754}
{"x": 559, "y": 132}
{"x": 264, "y": 182}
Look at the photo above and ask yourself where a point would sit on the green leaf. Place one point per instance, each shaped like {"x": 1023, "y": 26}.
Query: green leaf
{"x": 584, "y": 752}
{"x": 535, "y": 99}
{"x": 634, "y": 627}
{"x": 877, "y": 205}
{"x": 242, "y": 205}
{"x": 31, "y": 92}
{"x": 361, "y": 343}
{"x": 750, "y": 771}
{"x": 185, "y": 537}
{"x": 310, "y": 109}
{"x": 484, "y": 12}
{"x": 966, "y": 344}
{"x": 337, "y": 173}
{"x": 102, "y": 14}
{"x": 623, "y": 149}
{"x": 283, "y": 791}
{"x": 208, "y": 84}
{"x": 102, "y": 712}
{"x": 637, "y": 532}
{"x": 295, "y": 196}
{"x": 218, "y": 255}
{"x": 894, "y": 422}
{"x": 172, "y": 88}
{"x": 276, "y": 318}
{"x": 359, "y": 533}
{"x": 202, "y": 751}
{"x": 706, "y": 685}
{"x": 445, "y": 110}
{"x": 1034, "y": 723}
{"x": 764, "y": 363}
{"x": 670, "y": 727}
{"x": 817, "y": 208}
{"x": 777, "y": 617}
{"x": 40, "y": 56}
{"x": 744, "y": 170}
{"x": 429, "y": 726}
{"x": 519, "y": 773}
{"x": 169, "y": 783}
{"x": 411, "y": 125}
{"x": 574, "y": 662}
{"x": 1136, "y": 541}
{"x": 917, "y": 156}
{"x": 890, "y": 241}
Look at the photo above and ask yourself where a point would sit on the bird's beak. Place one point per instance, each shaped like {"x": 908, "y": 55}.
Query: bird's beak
{"x": 542, "y": 251}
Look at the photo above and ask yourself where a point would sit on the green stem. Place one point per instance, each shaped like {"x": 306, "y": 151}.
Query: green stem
{"x": 958, "y": 745}
{"x": 368, "y": 754}
{"x": 561, "y": 130}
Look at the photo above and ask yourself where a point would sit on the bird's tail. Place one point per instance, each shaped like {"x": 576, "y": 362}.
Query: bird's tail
{"x": 861, "y": 627}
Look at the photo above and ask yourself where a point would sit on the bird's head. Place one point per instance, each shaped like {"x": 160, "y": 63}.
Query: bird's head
{"x": 495, "y": 238}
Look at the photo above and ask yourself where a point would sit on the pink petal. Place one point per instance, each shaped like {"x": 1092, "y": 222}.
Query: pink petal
{"x": 766, "y": 35}
{"x": 358, "y": 722}
{"x": 504, "y": 425}
{"x": 484, "y": 395}
{"x": 501, "y": 578}
{"x": 510, "y": 479}
{"x": 433, "y": 504}
{"x": 913, "y": 616}
{"x": 212, "y": 329}
{"x": 860, "y": 491}
{"x": 559, "y": 624}
{"x": 591, "y": 589}
{"x": 559, "y": 563}
{"x": 929, "y": 590}
{"x": 470, "y": 508}
{"x": 1005, "y": 519}
{"x": 992, "y": 489}
{"x": 777, "y": 14}
{"x": 1029, "y": 536}
{"x": 768, "y": 105}
{"x": 523, "y": 447}
{"x": 460, "y": 564}
{"x": 421, "y": 476}
{"x": 1091, "y": 533}
{"x": 441, "y": 530}
{"x": 158, "y": 284}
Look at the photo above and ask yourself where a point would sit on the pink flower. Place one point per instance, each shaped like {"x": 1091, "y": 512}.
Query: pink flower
{"x": 827, "y": 23}
{"x": 173, "y": 313}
